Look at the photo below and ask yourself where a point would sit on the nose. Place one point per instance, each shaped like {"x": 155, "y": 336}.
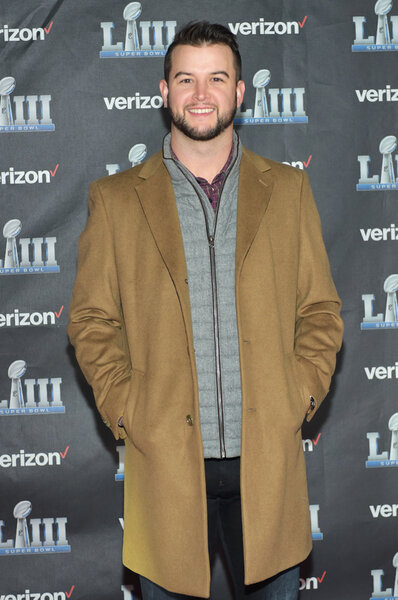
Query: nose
{"x": 201, "y": 90}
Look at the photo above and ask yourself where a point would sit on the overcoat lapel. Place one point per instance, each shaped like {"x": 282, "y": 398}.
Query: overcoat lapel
{"x": 158, "y": 203}
{"x": 255, "y": 188}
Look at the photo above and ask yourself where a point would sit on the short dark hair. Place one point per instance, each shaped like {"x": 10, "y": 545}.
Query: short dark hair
{"x": 203, "y": 33}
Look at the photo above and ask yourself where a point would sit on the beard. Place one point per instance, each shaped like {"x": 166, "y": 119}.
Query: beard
{"x": 223, "y": 121}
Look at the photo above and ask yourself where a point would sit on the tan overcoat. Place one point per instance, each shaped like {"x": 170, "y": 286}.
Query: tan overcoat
{"x": 130, "y": 323}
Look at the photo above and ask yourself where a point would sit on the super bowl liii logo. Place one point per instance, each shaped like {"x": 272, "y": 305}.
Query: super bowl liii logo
{"x": 377, "y": 459}
{"x": 34, "y": 536}
{"x": 31, "y": 113}
{"x": 378, "y": 592}
{"x": 314, "y": 515}
{"x": 34, "y": 255}
{"x": 274, "y": 106}
{"x": 41, "y": 395}
{"x": 386, "y": 180}
{"x": 389, "y": 320}
{"x": 136, "y": 155}
{"x": 386, "y": 40}
{"x": 127, "y": 591}
{"x": 155, "y": 38}
{"x": 121, "y": 450}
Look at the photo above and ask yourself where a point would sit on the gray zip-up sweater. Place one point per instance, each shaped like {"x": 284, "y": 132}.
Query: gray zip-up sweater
{"x": 209, "y": 244}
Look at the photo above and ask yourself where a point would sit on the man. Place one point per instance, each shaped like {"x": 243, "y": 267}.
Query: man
{"x": 205, "y": 318}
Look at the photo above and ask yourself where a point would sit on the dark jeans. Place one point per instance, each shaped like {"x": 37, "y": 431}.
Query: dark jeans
{"x": 225, "y": 526}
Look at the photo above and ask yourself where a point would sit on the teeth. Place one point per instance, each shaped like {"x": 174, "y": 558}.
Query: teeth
{"x": 200, "y": 111}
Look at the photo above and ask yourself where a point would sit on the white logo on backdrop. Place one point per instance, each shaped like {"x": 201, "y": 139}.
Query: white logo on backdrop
{"x": 386, "y": 40}
{"x": 142, "y": 38}
{"x": 29, "y": 113}
{"x": 34, "y": 536}
{"x": 273, "y": 106}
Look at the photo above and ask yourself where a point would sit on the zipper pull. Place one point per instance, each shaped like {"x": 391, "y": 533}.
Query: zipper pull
{"x": 211, "y": 241}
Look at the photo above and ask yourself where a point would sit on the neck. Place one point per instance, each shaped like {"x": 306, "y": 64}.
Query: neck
{"x": 203, "y": 159}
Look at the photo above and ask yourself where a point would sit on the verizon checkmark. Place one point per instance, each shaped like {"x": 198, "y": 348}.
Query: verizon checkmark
{"x": 320, "y": 579}
{"x": 302, "y": 23}
{"x": 48, "y": 28}
{"x": 58, "y": 314}
{"x": 65, "y": 452}
{"x": 317, "y": 439}
{"x": 69, "y": 594}
{"x": 55, "y": 170}
{"x": 305, "y": 162}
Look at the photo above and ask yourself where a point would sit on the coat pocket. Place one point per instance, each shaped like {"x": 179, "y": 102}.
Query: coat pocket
{"x": 301, "y": 392}
{"x": 132, "y": 400}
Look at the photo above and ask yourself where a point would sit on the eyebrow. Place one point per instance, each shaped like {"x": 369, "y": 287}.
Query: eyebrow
{"x": 190, "y": 74}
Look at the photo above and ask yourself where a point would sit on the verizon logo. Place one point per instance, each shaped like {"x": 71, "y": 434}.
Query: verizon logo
{"x": 387, "y": 94}
{"x": 262, "y": 27}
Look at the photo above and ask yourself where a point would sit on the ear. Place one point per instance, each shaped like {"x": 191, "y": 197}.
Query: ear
{"x": 164, "y": 90}
{"x": 240, "y": 92}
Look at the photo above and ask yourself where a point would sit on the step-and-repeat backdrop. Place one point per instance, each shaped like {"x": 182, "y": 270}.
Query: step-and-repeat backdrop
{"x": 79, "y": 100}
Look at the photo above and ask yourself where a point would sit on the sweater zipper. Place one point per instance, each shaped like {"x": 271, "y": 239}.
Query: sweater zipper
{"x": 216, "y": 328}
{"x": 216, "y": 321}
{"x": 216, "y": 331}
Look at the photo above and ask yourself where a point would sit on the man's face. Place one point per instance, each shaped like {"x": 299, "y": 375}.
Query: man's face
{"x": 202, "y": 94}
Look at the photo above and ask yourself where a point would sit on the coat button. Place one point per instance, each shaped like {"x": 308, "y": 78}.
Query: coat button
{"x": 189, "y": 419}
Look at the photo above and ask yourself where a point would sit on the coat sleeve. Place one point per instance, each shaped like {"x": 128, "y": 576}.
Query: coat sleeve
{"x": 319, "y": 328}
{"x": 96, "y": 327}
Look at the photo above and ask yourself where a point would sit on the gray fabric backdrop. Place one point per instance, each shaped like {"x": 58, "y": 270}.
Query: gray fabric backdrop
{"x": 74, "y": 101}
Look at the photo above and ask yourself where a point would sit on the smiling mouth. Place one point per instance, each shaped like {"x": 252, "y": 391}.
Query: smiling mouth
{"x": 201, "y": 111}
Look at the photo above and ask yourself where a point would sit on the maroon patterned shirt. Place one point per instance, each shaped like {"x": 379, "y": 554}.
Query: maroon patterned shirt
{"x": 213, "y": 189}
